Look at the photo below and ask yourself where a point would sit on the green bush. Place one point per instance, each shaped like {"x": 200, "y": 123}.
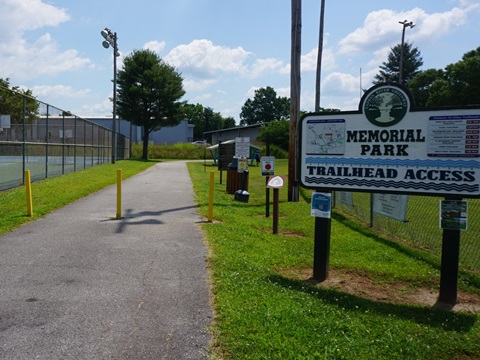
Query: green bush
{"x": 278, "y": 152}
{"x": 184, "y": 151}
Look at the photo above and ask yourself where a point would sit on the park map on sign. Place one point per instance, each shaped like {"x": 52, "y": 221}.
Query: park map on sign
{"x": 325, "y": 137}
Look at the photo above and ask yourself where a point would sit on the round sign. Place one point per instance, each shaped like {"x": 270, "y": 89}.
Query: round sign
{"x": 385, "y": 105}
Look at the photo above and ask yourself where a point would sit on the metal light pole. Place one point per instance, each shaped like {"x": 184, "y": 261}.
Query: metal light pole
{"x": 405, "y": 24}
{"x": 111, "y": 40}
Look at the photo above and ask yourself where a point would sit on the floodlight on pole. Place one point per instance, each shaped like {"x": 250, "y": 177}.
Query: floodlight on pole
{"x": 111, "y": 40}
{"x": 405, "y": 24}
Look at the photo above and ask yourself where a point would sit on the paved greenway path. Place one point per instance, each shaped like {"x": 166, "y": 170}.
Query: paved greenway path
{"x": 79, "y": 285}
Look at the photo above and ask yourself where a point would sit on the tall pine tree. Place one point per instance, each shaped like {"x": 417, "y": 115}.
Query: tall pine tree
{"x": 389, "y": 70}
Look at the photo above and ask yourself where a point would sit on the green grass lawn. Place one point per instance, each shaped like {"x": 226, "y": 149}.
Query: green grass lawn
{"x": 264, "y": 306}
{"x": 266, "y": 309}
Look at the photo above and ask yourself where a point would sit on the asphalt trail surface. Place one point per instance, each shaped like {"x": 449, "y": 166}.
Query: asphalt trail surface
{"x": 79, "y": 284}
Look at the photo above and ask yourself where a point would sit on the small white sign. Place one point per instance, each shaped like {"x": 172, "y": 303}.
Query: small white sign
{"x": 242, "y": 147}
{"x": 5, "y": 121}
{"x": 276, "y": 182}
{"x": 393, "y": 206}
{"x": 268, "y": 165}
{"x": 345, "y": 197}
{"x": 242, "y": 165}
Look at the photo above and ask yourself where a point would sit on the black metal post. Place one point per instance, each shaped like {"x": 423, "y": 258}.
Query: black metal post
{"x": 275, "y": 211}
{"x": 267, "y": 190}
{"x": 114, "y": 125}
{"x": 449, "y": 265}
{"x": 321, "y": 251}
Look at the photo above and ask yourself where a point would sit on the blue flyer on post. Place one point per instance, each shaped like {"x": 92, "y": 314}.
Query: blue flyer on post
{"x": 321, "y": 205}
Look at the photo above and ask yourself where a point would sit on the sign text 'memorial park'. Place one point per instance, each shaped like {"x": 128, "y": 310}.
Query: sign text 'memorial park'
{"x": 386, "y": 146}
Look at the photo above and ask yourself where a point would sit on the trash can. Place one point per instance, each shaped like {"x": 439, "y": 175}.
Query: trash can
{"x": 242, "y": 194}
{"x": 234, "y": 178}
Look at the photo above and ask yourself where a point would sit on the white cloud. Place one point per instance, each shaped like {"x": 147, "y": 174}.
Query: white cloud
{"x": 17, "y": 55}
{"x": 341, "y": 84}
{"x": 28, "y": 15}
{"x": 283, "y": 92}
{"x": 251, "y": 92}
{"x": 266, "y": 66}
{"x": 201, "y": 98}
{"x": 155, "y": 46}
{"x": 103, "y": 108}
{"x": 203, "y": 59}
{"x": 382, "y": 28}
{"x": 309, "y": 61}
{"x": 469, "y": 4}
{"x": 59, "y": 91}
{"x": 193, "y": 85}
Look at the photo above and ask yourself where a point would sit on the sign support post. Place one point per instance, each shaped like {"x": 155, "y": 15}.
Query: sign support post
{"x": 449, "y": 264}
{"x": 275, "y": 211}
{"x": 321, "y": 249}
{"x": 275, "y": 183}
{"x": 268, "y": 169}
{"x": 267, "y": 199}
{"x": 449, "y": 267}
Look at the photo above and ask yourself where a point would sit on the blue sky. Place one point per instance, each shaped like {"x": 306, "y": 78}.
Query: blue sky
{"x": 224, "y": 49}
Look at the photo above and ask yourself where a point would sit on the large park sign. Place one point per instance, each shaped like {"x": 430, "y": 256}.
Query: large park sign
{"x": 388, "y": 146}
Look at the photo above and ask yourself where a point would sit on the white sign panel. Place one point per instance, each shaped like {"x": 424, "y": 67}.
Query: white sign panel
{"x": 242, "y": 165}
{"x": 242, "y": 147}
{"x": 385, "y": 147}
{"x": 393, "y": 206}
{"x": 345, "y": 197}
{"x": 5, "y": 121}
{"x": 268, "y": 165}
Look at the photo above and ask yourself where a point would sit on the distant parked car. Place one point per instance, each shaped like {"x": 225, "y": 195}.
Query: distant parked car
{"x": 200, "y": 143}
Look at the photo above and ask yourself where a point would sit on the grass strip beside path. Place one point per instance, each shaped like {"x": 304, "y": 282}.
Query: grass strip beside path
{"x": 53, "y": 193}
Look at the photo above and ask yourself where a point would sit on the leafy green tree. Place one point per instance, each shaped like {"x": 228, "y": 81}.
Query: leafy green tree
{"x": 276, "y": 133}
{"x": 389, "y": 70}
{"x": 229, "y": 122}
{"x": 464, "y": 79}
{"x": 11, "y": 103}
{"x": 148, "y": 93}
{"x": 205, "y": 119}
{"x": 422, "y": 86}
{"x": 265, "y": 107}
{"x": 458, "y": 84}
{"x": 194, "y": 114}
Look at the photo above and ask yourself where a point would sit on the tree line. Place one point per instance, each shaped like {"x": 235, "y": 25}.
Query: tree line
{"x": 457, "y": 84}
{"x": 150, "y": 90}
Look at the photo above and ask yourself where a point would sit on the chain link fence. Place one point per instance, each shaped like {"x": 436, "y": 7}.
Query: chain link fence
{"x": 48, "y": 141}
{"x": 421, "y": 225}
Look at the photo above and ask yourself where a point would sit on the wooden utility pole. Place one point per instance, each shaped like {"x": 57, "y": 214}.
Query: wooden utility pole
{"x": 319, "y": 58}
{"x": 293, "y": 190}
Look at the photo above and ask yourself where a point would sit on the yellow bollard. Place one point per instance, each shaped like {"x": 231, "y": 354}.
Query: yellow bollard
{"x": 210, "y": 199}
{"x": 119, "y": 193}
{"x": 28, "y": 185}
